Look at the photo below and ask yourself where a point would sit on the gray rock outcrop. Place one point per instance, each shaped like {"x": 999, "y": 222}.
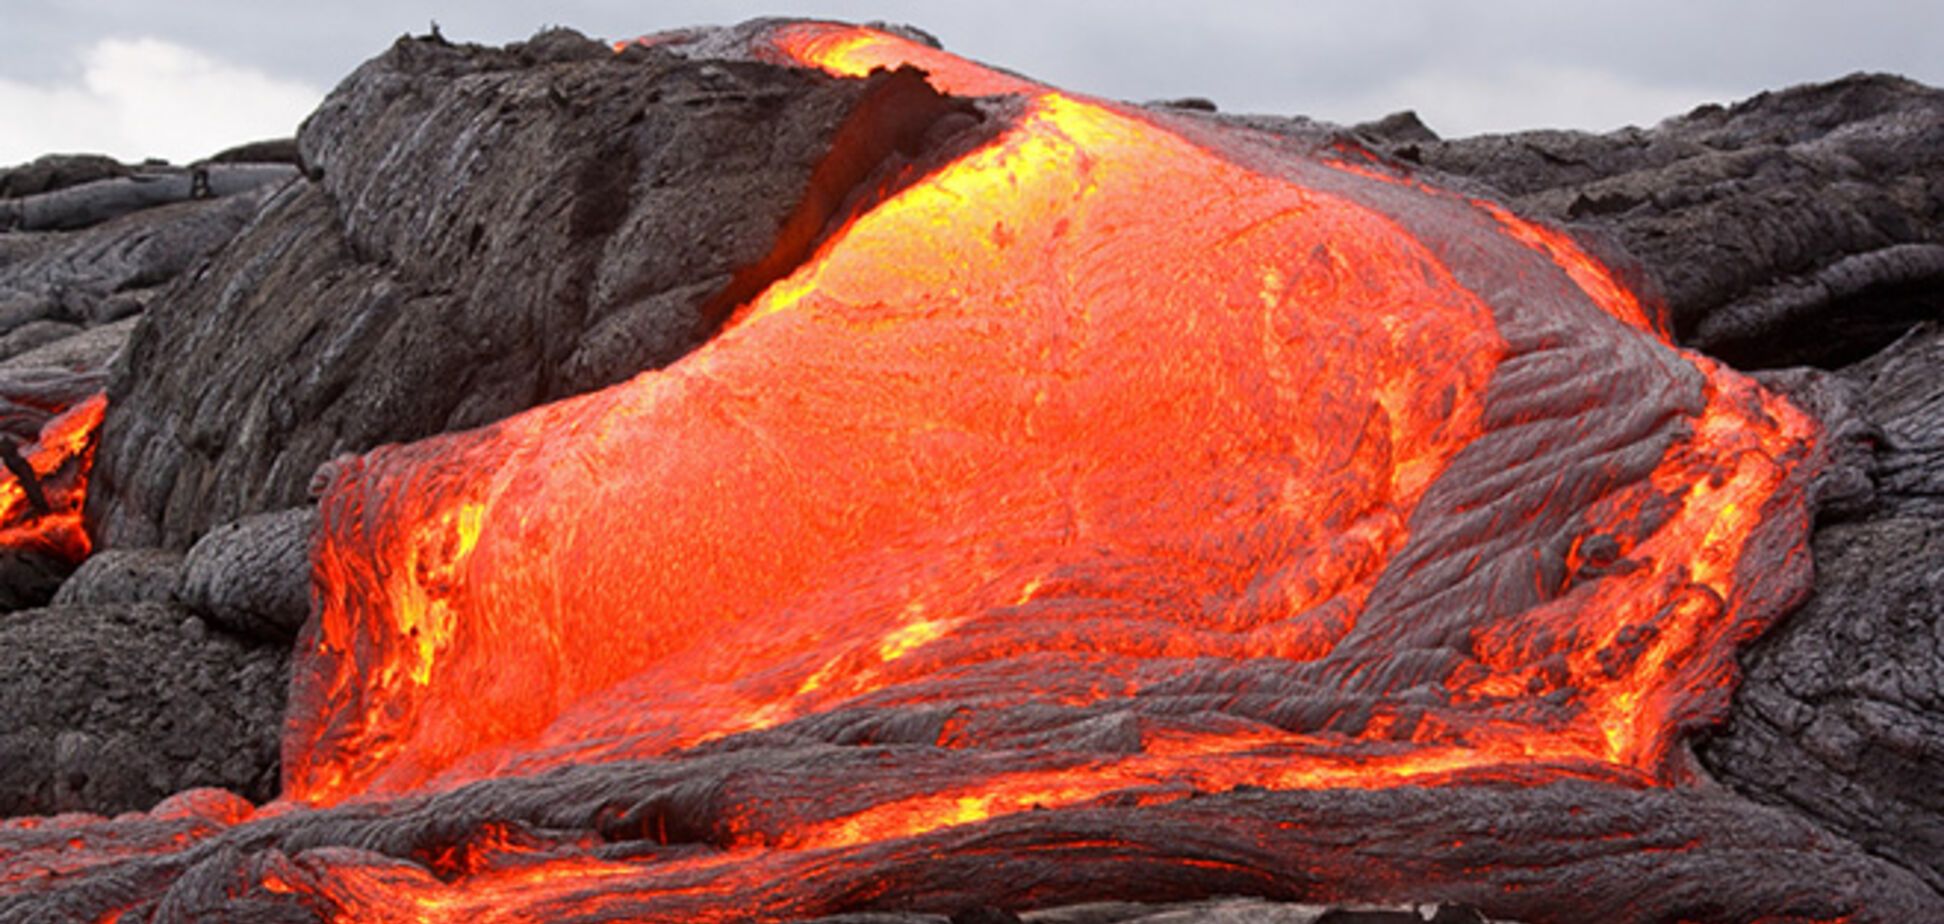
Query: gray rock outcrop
{"x": 252, "y": 577}
{"x": 1841, "y": 712}
{"x": 123, "y": 576}
{"x": 115, "y": 706}
{"x": 1796, "y": 227}
{"x": 55, "y": 172}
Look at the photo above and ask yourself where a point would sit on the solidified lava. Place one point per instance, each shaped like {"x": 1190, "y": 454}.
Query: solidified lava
{"x": 1123, "y": 507}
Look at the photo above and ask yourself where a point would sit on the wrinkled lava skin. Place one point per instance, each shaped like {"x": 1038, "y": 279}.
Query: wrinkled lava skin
{"x": 1093, "y": 417}
{"x": 1163, "y": 504}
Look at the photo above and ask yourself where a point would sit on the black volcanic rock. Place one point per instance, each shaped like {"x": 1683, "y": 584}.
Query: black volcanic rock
{"x": 66, "y": 297}
{"x": 1804, "y": 226}
{"x": 91, "y": 204}
{"x": 31, "y": 395}
{"x": 1398, "y": 128}
{"x": 491, "y": 229}
{"x": 269, "y": 151}
{"x": 85, "y": 353}
{"x": 123, "y": 576}
{"x": 58, "y": 171}
{"x": 1796, "y": 227}
{"x": 111, "y": 707}
{"x": 1841, "y": 714}
{"x": 30, "y": 577}
{"x": 33, "y": 335}
{"x": 252, "y": 577}
{"x": 1557, "y": 853}
{"x": 86, "y": 276}
{"x": 1903, "y": 397}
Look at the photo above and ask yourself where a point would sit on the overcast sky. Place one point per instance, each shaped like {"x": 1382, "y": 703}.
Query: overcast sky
{"x": 137, "y": 78}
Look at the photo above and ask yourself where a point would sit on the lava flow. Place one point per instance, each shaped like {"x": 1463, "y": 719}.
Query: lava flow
{"x": 1124, "y": 463}
{"x": 44, "y": 484}
{"x": 1094, "y": 418}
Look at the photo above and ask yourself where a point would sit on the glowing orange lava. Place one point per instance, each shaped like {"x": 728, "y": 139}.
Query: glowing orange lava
{"x": 60, "y": 459}
{"x": 1087, "y": 406}
{"x": 848, "y": 51}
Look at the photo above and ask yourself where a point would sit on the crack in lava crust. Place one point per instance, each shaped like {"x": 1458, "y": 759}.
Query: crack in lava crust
{"x": 1228, "y": 465}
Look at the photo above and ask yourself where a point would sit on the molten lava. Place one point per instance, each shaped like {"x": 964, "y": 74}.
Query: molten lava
{"x": 45, "y": 515}
{"x": 1121, "y": 464}
{"x": 1094, "y": 418}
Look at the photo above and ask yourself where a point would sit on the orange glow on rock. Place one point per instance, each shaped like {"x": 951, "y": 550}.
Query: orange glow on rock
{"x": 1076, "y": 419}
{"x": 855, "y": 533}
{"x": 853, "y": 51}
{"x": 60, "y": 459}
{"x": 45, "y": 850}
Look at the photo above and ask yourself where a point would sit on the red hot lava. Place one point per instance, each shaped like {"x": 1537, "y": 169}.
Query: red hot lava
{"x": 1088, "y": 409}
{"x": 44, "y": 513}
{"x": 1120, "y": 460}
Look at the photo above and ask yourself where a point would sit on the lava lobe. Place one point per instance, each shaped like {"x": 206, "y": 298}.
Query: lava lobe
{"x": 1108, "y": 417}
{"x": 1129, "y": 505}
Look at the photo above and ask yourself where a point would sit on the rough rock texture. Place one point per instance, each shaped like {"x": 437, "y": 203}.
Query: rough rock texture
{"x": 1903, "y": 399}
{"x": 1247, "y": 910}
{"x": 74, "y": 273}
{"x": 1796, "y": 227}
{"x": 95, "y": 275}
{"x": 252, "y": 576}
{"x": 33, "y": 335}
{"x": 114, "y": 698}
{"x": 1801, "y": 226}
{"x": 93, "y": 203}
{"x": 492, "y": 229}
{"x": 267, "y": 151}
{"x": 123, "y": 576}
{"x": 29, "y": 577}
{"x": 112, "y": 707}
{"x": 58, "y": 171}
{"x": 90, "y": 350}
{"x": 1562, "y": 853}
{"x": 1252, "y": 911}
{"x": 66, "y": 300}
{"x": 32, "y": 395}
{"x": 1841, "y": 715}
